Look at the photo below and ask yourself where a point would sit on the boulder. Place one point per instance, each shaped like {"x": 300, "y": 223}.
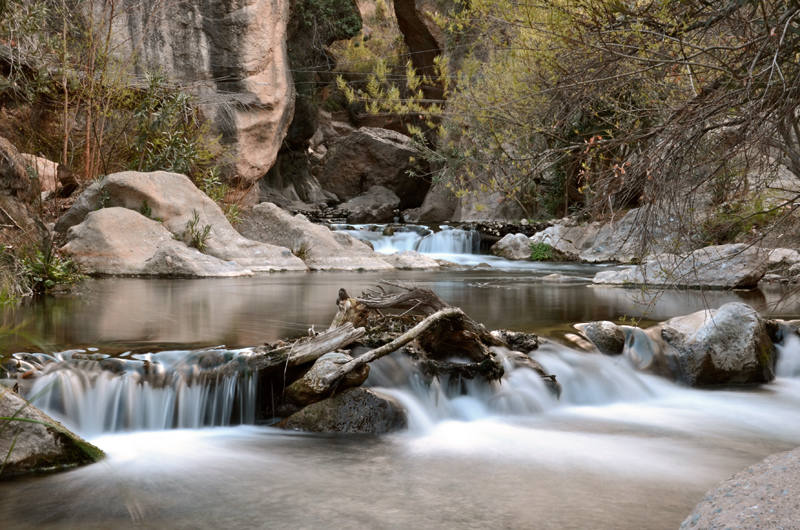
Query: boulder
{"x": 372, "y": 156}
{"x": 47, "y": 171}
{"x": 721, "y": 266}
{"x": 317, "y": 245}
{"x": 762, "y": 496}
{"x": 357, "y": 410}
{"x": 513, "y": 246}
{"x": 19, "y": 192}
{"x": 377, "y": 205}
{"x": 120, "y": 241}
{"x": 410, "y": 260}
{"x": 477, "y": 205}
{"x": 231, "y": 55}
{"x": 309, "y": 388}
{"x": 439, "y": 206}
{"x": 729, "y": 345}
{"x": 34, "y": 442}
{"x": 176, "y": 201}
{"x": 607, "y": 336}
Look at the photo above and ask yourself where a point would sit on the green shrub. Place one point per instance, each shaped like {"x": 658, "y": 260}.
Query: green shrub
{"x": 195, "y": 236}
{"x": 542, "y": 252}
{"x": 46, "y": 270}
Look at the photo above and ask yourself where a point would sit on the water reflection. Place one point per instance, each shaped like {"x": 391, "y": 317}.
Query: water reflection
{"x": 126, "y": 313}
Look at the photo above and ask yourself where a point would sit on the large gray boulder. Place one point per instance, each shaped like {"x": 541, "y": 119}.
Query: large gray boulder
{"x": 721, "y": 266}
{"x": 33, "y": 442}
{"x": 764, "y": 495}
{"x": 479, "y": 205}
{"x": 119, "y": 241}
{"x": 311, "y": 387}
{"x": 231, "y": 55}
{"x": 176, "y": 202}
{"x": 377, "y": 205}
{"x": 439, "y": 206}
{"x": 357, "y": 410}
{"x": 371, "y": 156}
{"x": 513, "y": 246}
{"x": 320, "y": 248}
{"x": 729, "y": 345}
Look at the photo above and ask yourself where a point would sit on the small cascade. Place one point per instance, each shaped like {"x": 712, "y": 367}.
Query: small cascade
{"x": 178, "y": 389}
{"x": 389, "y": 239}
{"x": 788, "y": 364}
{"x": 586, "y": 379}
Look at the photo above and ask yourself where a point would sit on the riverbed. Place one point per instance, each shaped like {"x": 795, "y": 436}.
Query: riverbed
{"x": 619, "y": 449}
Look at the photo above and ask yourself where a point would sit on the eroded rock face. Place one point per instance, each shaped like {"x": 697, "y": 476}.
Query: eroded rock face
{"x": 119, "y": 241}
{"x": 40, "y": 443}
{"x": 320, "y": 248}
{"x": 19, "y": 192}
{"x": 439, "y": 206}
{"x": 720, "y": 266}
{"x": 174, "y": 200}
{"x": 357, "y": 410}
{"x": 232, "y": 55}
{"x": 310, "y": 387}
{"x": 369, "y": 157}
{"x": 513, "y": 246}
{"x": 729, "y": 345}
{"x": 377, "y": 205}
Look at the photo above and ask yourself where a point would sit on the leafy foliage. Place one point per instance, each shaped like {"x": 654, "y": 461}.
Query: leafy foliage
{"x": 195, "y": 235}
{"x": 46, "y": 270}
{"x": 542, "y": 252}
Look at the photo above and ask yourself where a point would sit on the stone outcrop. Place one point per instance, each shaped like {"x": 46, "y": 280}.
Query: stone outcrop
{"x": 762, "y": 496}
{"x": 119, "y": 241}
{"x": 357, "y": 410}
{"x": 377, "y": 205}
{"x": 622, "y": 240}
{"x": 729, "y": 345}
{"x": 513, "y": 246}
{"x": 19, "y": 193}
{"x": 309, "y": 388}
{"x": 371, "y": 156}
{"x": 721, "y": 266}
{"x": 487, "y": 206}
{"x": 319, "y": 247}
{"x": 232, "y": 55}
{"x": 423, "y": 36}
{"x": 33, "y": 442}
{"x": 176, "y": 202}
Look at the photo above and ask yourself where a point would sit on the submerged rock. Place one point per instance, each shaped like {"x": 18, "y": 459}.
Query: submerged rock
{"x": 377, "y": 205}
{"x": 729, "y": 345}
{"x": 176, "y": 202}
{"x": 411, "y": 259}
{"x": 357, "y": 410}
{"x": 513, "y": 246}
{"x": 121, "y": 241}
{"x": 721, "y": 266}
{"x": 317, "y": 245}
{"x": 34, "y": 442}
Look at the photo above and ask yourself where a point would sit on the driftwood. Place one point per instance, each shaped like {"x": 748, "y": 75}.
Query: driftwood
{"x": 396, "y": 344}
{"x": 305, "y": 350}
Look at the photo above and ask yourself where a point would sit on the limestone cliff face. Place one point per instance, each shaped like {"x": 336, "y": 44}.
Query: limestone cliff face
{"x": 231, "y": 54}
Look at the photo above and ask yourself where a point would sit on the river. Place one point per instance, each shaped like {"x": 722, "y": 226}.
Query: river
{"x": 619, "y": 449}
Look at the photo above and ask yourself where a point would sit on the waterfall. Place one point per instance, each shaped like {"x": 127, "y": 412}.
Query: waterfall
{"x": 788, "y": 356}
{"x": 391, "y": 239}
{"x": 176, "y": 389}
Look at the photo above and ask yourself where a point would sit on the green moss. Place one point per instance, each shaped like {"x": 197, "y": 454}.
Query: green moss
{"x": 542, "y": 252}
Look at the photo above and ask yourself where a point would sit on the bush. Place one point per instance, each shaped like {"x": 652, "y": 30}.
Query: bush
{"x": 195, "y": 236}
{"x": 542, "y": 252}
{"x": 45, "y": 270}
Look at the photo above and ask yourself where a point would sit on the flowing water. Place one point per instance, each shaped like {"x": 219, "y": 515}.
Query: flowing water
{"x": 619, "y": 449}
